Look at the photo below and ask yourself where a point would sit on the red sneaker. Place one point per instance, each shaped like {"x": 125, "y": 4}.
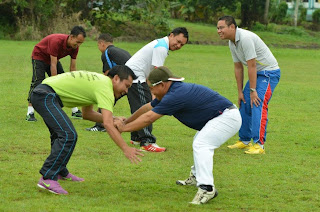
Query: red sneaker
{"x": 153, "y": 148}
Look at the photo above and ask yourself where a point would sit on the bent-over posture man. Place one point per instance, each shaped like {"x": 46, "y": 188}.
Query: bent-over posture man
{"x": 141, "y": 63}
{"x": 110, "y": 57}
{"x": 78, "y": 88}
{"x": 214, "y": 117}
{"x": 264, "y": 75}
{"x": 45, "y": 59}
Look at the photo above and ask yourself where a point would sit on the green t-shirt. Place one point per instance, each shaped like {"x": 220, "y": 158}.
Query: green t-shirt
{"x": 83, "y": 88}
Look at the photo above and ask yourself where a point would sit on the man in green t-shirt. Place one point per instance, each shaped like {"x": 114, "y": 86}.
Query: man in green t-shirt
{"x": 78, "y": 88}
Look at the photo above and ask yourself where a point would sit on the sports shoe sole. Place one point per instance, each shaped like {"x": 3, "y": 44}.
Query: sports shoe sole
{"x": 178, "y": 182}
{"x": 144, "y": 150}
{"x": 40, "y": 186}
{"x": 215, "y": 195}
{"x": 135, "y": 142}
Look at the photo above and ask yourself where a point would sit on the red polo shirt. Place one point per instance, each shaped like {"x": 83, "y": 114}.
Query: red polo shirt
{"x": 55, "y": 45}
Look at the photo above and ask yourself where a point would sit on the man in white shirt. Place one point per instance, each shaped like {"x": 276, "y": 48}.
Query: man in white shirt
{"x": 141, "y": 63}
{"x": 248, "y": 49}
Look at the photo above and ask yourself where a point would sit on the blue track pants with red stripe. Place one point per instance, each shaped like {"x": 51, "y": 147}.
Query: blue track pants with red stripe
{"x": 255, "y": 120}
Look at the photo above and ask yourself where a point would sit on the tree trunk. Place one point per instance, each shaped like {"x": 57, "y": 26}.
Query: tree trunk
{"x": 295, "y": 15}
{"x": 266, "y": 12}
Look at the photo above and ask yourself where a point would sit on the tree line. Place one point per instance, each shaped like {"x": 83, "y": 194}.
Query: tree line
{"x": 131, "y": 19}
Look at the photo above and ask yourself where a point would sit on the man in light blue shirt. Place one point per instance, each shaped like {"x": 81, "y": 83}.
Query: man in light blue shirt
{"x": 248, "y": 49}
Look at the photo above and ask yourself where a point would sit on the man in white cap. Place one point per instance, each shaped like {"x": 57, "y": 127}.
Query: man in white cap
{"x": 214, "y": 117}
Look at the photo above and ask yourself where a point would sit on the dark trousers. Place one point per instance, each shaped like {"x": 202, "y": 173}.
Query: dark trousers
{"x": 62, "y": 132}
{"x": 39, "y": 70}
{"x": 138, "y": 95}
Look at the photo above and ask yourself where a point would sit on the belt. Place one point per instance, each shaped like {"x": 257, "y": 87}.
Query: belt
{"x": 232, "y": 107}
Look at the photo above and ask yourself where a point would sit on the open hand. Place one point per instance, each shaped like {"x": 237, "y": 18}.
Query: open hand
{"x": 132, "y": 154}
{"x": 241, "y": 98}
{"x": 254, "y": 99}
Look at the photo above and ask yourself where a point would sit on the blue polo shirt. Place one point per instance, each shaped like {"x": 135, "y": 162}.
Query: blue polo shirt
{"x": 193, "y": 105}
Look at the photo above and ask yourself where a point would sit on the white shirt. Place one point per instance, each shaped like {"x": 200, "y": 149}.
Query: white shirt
{"x": 249, "y": 46}
{"x": 151, "y": 55}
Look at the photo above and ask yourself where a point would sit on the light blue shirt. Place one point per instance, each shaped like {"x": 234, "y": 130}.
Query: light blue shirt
{"x": 248, "y": 46}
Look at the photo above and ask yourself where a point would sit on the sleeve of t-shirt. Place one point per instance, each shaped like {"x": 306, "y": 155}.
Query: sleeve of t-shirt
{"x": 104, "y": 62}
{"x": 169, "y": 105}
{"x": 248, "y": 48}
{"x": 74, "y": 53}
{"x": 159, "y": 56}
{"x": 105, "y": 100}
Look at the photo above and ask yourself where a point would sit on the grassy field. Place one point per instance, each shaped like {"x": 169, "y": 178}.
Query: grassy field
{"x": 285, "y": 179}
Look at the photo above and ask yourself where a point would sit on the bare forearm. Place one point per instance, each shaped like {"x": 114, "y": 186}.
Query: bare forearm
{"x": 89, "y": 114}
{"x": 73, "y": 65}
{"x": 145, "y": 108}
{"x": 115, "y": 136}
{"x": 252, "y": 73}
{"x": 141, "y": 122}
{"x": 239, "y": 78}
{"x": 53, "y": 69}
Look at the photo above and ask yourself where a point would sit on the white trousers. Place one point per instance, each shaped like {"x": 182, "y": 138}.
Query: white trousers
{"x": 216, "y": 132}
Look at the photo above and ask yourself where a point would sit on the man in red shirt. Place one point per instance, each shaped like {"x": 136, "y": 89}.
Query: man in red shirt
{"x": 45, "y": 59}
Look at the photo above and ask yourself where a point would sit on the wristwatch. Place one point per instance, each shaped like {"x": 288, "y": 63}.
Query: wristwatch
{"x": 253, "y": 90}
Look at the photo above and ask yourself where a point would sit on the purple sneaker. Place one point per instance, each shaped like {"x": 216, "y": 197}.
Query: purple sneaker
{"x": 70, "y": 177}
{"x": 52, "y": 186}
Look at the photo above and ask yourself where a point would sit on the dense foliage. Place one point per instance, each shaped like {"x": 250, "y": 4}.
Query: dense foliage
{"x": 132, "y": 19}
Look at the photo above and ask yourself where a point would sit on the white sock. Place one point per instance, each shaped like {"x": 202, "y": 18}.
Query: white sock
{"x": 245, "y": 142}
{"x": 30, "y": 110}
{"x": 261, "y": 145}
{"x": 75, "y": 109}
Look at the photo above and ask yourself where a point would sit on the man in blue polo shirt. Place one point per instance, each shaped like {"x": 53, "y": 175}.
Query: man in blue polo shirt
{"x": 214, "y": 117}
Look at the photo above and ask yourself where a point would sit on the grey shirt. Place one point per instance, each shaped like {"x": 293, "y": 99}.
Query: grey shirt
{"x": 248, "y": 46}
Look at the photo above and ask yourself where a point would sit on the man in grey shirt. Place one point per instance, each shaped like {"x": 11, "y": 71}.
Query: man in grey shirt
{"x": 248, "y": 49}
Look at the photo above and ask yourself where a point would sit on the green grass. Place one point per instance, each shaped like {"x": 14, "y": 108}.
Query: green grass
{"x": 285, "y": 179}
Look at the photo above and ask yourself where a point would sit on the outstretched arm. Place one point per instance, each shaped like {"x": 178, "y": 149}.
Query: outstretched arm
{"x": 129, "y": 152}
{"x": 145, "y": 108}
{"x": 140, "y": 122}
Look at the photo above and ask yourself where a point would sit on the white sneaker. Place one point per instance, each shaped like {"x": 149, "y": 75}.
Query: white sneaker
{"x": 203, "y": 196}
{"x": 191, "y": 180}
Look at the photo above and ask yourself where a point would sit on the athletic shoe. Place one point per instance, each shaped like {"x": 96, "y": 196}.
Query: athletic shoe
{"x": 203, "y": 196}
{"x": 71, "y": 177}
{"x": 30, "y": 117}
{"x": 153, "y": 148}
{"x": 255, "y": 150}
{"x": 240, "y": 145}
{"x": 77, "y": 115}
{"x": 52, "y": 186}
{"x": 134, "y": 142}
{"x": 191, "y": 181}
{"x": 96, "y": 129}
